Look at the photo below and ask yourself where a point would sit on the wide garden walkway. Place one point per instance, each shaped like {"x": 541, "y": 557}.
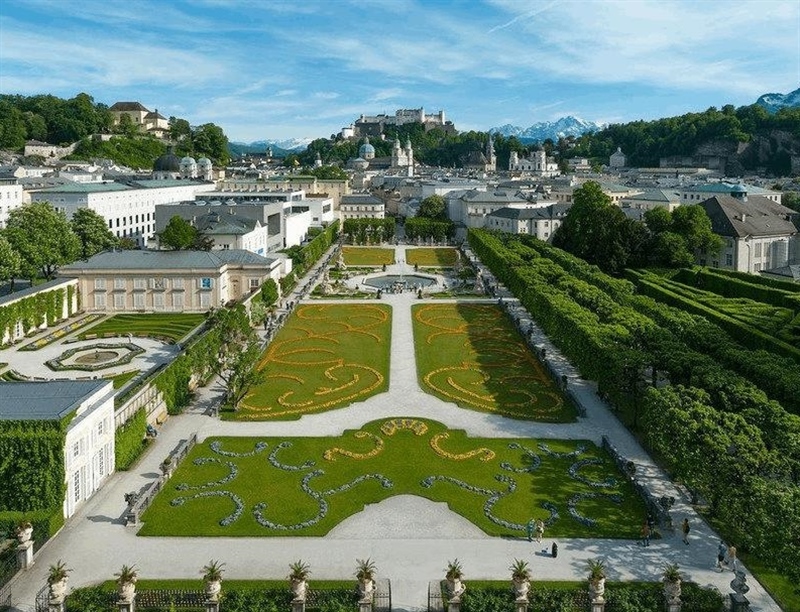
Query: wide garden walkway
{"x": 410, "y": 539}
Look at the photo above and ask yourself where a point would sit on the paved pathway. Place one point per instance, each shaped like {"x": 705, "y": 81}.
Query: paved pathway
{"x": 410, "y": 539}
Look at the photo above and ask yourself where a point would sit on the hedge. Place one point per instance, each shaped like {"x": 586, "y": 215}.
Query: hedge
{"x": 357, "y": 229}
{"x": 34, "y": 311}
{"x": 130, "y": 440}
{"x": 32, "y": 474}
{"x": 757, "y": 279}
{"x": 747, "y": 335}
{"x": 425, "y": 229}
{"x": 737, "y": 287}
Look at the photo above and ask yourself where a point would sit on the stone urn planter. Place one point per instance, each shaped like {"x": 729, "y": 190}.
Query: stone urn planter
{"x": 24, "y": 532}
{"x": 298, "y": 579}
{"x": 212, "y": 580}
{"x": 57, "y": 577}
{"x": 453, "y": 577}
{"x": 520, "y": 579}
{"x": 671, "y": 576}
{"x": 126, "y": 583}
{"x": 597, "y": 579}
{"x": 365, "y": 574}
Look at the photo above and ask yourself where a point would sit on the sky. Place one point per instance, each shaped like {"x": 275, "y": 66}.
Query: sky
{"x": 271, "y": 69}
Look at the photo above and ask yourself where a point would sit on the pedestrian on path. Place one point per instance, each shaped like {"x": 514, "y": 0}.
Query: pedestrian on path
{"x": 529, "y": 529}
{"x": 732, "y": 560}
{"x": 685, "y": 530}
{"x": 722, "y": 550}
{"x": 539, "y": 529}
{"x": 645, "y": 534}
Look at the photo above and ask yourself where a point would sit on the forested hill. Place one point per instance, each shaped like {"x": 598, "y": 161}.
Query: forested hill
{"x": 749, "y": 137}
{"x": 58, "y": 121}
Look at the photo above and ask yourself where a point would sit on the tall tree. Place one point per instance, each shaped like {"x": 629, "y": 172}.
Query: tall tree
{"x": 236, "y": 361}
{"x": 433, "y": 207}
{"x": 43, "y": 238}
{"x": 209, "y": 140}
{"x": 10, "y": 262}
{"x": 179, "y": 234}
{"x": 92, "y": 231}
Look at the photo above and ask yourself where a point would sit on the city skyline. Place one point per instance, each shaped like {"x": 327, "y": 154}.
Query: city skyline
{"x": 278, "y": 70}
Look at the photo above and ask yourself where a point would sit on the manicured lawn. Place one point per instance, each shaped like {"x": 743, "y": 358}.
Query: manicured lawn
{"x": 437, "y": 256}
{"x": 306, "y": 486}
{"x": 471, "y": 355}
{"x": 326, "y": 356}
{"x": 173, "y": 325}
{"x": 367, "y": 256}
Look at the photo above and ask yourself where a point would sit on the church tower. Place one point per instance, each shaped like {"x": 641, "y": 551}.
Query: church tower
{"x": 491, "y": 157}
{"x": 410, "y": 157}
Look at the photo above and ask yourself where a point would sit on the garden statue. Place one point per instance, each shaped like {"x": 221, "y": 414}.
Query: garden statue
{"x": 365, "y": 574}
{"x": 453, "y": 576}
{"x": 520, "y": 579}
{"x": 212, "y": 580}
{"x": 126, "y": 583}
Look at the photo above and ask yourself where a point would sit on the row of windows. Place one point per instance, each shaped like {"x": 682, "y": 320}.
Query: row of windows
{"x": 130, "y": 220}
{"x": 158, "y": 301}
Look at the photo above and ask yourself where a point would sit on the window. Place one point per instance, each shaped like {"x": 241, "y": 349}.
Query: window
{"x": 177, "y": 283}
{"x": 76, "y": 486}
{"x": 205, "y": 283}
{"x": 119, "y": 301}
{"x": 139, "y": 283}
{"x": 158, "y": 301}
{"x": 76, "y": 449}
{"x": 758, "y": 250}
{"x": 138, "y": 301}
{"x": 101, "y": 428}
{"x": 254, "y": 284}
{"x": 205, "y": 300}
{"x": 119, "y": 283}
{"x": 99, "y": 284}
{"x": 177, "y": 301}
{"x": 99, "y": 301}
{"x": 101, "y": 464}
{"x": 157, "y": 283}
{"x": 728, "y": 259}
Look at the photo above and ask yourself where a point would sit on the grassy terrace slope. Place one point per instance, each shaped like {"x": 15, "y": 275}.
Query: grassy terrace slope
{"x": 306, "y": 486}
{"x": 470, "y": 354}
{"x": 167, "y": 325}
{"x": 326, "y": 356}
{"x": 439, "y": 257}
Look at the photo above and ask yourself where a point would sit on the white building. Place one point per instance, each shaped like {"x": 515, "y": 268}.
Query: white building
{"x": 758, "y": 234}
{"x": 536, "y": 164}
{"x": 128, "y": 208}
{"x": 617, "y": 159}
{"x": 10, "y": 198}
{"x": 540, "y": 221}
{"x": 361, "y": 206}
{"x": 473, "y": 207}
{"x": 170, "y": 281}
{"x": 694, "y": 194}
{"x": 89, "y": 444}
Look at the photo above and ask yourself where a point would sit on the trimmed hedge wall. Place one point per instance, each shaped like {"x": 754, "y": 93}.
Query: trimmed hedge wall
{"x": 130, "y": 440}
{"x": 357, "y": 229}
{"x": 32, "y": 475}
{"x": 738, "y": 287}
{"x": 34, "y": 311}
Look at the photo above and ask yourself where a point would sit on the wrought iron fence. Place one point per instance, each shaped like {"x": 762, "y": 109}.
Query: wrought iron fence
{"x": 43, "y": 599}
{"x": 167, "y": 599}
{"x": 435, "y": 600}
{"x": 382, "y": 601}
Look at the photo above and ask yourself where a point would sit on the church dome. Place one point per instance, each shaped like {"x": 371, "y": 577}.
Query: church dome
{"x": 367, "y": 151}
{"x": 169, "y": 162}
{"x": 359, "y": 163}
{"x": 204, "y": 162}
{"x": 188, "y": 162}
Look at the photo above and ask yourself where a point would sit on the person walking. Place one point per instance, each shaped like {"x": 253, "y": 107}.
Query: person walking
{"x": 529, "y": 529}
{"x": 722, "y": 550}
{"x": 539, "y": 529}
{"x": 685, "y": 530}
{"x": 732, "y": 560}
{"x": 645, "y": 534}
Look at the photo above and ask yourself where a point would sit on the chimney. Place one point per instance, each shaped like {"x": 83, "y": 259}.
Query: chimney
{"x": 744, "y": 217}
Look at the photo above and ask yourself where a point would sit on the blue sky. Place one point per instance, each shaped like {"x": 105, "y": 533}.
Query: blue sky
{"x": 306, "y": 68}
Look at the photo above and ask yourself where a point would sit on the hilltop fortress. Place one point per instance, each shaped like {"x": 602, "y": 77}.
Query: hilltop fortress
{"x": 373, "y": 125}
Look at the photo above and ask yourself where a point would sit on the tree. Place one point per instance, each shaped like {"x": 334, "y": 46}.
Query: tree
{"x": 43, "y": 238}
{"x": 178, "y": 235}
{"x": 10, "y": 262}
{"x": 327, "y": 172}
{"x": 658, "y": 219}
{"x": 269, "y": 292}
{"x": 209, "y": 140}
{"x": 236, "y": 361}
{"x": 433, "y": 207}
{"x": 791, "y": 199}
{"x": 691, "y": 221}
{"x": 92, "y": 231}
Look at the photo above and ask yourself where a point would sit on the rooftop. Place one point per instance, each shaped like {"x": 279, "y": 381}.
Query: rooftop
{"x": 44, "y": 400}
{"x": 165, "y": 260}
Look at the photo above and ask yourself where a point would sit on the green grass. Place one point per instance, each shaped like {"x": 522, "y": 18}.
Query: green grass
{"x": 119, "y": 380}
{"x": 511, "y": 480}
{"x": 444, "y": 257}
{"x": 173, "y": 325}
{"x": 783, "y": 590}
{"x": 326, "y": 356}
{"x": 367, "y": 256}
{"x": 471, "y": 355}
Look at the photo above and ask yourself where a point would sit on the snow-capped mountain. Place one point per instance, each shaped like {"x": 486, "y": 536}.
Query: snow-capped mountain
{"x": 292, "y": 144}
{"x": 775, "y": 101}
{"x": 539, "y": 132}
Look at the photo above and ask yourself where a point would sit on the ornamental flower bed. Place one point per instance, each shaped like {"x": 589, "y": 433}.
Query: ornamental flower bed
{"x": 125, "y": 353}
{"x": 306, "y": 486}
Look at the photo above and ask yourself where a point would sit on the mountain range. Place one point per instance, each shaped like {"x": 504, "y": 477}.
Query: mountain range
{"x": 280, "y": 148}
{"x": 539, "y": 132}
{"x": 773, "y": 102}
